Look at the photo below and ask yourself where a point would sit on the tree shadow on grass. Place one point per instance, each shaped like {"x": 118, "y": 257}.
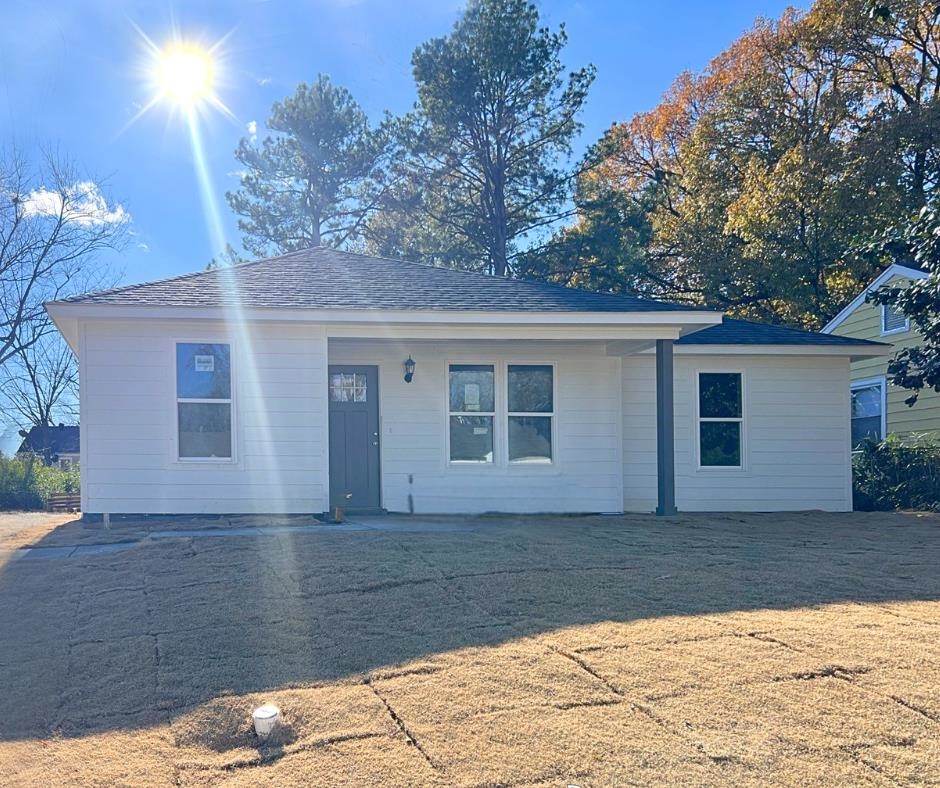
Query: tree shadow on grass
{"x": 136, "y": 634}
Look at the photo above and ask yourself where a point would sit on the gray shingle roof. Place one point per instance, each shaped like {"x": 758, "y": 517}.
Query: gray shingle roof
{"x": 745, "y": 332}
{"x": 328, "y": 279}
{"x": 50, "y": 440}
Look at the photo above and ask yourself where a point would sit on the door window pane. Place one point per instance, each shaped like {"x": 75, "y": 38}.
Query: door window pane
{"x": 348, "y": 387}
{"x": 205, "y": 429}
{"x": 720, "y": 443}
{"x": 719, "y": 395}
{"x": 530, "y": 439}
{"x": 530, "y": 388}
{"x": 203, "y": 371}
{"x": 471, "y": 438}
{"x": 472, "y": 388}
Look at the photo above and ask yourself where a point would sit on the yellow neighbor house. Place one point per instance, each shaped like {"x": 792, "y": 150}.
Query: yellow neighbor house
{"x": 878, "y": 408}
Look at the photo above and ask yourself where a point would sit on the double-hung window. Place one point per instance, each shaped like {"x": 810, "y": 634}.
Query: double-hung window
{"x": 204, "y": 401}
{"x": 471, "y": 412}
{"x": 721, "y": 415}
{"x": 531, "y": 406}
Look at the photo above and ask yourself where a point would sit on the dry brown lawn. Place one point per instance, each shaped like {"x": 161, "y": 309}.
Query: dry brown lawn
{"x": 704, "y": 650}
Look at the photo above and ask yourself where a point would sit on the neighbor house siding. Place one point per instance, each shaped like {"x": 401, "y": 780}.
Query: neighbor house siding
{"x": 908, "y": 422}
{"x": 128, "y": 418}
{"x": 586, "y": 475}
{"x": 796, "y": 435}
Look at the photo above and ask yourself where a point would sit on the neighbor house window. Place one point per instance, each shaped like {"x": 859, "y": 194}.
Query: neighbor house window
{"x": 868, "y": 410}
{"x": 531, "y": 406}
{"x": 204, "y": 401}
{"x": 893, "y": 321}
{"x": 720, "y": 411}
{"x": 471, "y": 412}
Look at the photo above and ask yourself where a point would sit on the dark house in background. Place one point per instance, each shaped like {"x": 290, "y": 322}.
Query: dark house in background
{"x": 55, "y": 445}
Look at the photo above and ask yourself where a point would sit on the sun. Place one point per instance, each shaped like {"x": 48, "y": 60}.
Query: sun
{"x": 185, "y": 74}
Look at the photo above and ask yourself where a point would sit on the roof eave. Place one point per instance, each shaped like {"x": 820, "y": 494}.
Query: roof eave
{"x": 694, "y": 319}
{"x": 855, "y": 352}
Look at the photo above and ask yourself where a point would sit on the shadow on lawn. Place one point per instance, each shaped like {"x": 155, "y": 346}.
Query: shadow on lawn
{"x": 132, "y": 637}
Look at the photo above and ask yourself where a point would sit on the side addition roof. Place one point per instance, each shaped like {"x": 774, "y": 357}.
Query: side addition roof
{"x": 745, "y": 332}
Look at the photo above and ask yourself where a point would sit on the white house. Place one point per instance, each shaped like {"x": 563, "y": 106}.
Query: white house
{"x": 325, "y": 378}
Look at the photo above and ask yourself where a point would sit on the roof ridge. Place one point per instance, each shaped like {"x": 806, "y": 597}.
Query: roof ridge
{"x": 493, "y": 277}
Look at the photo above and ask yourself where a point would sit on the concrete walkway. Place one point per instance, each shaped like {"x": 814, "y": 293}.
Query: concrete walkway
{"x": 387, "y": 523}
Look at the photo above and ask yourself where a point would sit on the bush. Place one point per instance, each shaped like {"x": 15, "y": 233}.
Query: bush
{"x": 26, "y": 483}
{"x": 890, "y": 475}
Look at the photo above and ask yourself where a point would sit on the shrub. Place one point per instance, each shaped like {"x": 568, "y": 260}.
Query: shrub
{"x": 890, "y": 474}
{"x": 26, "y": 483}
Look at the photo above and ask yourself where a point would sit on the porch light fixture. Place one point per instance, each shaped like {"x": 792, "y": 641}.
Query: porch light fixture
{"x": 409, "y": 366}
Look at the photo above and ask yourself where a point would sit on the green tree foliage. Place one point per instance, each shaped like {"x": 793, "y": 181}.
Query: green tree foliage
{"x": 483, "y": 165}
{"x": 918, "y": 367}
{"x": 892, "y": 474}
{"x": 316, "y": 180}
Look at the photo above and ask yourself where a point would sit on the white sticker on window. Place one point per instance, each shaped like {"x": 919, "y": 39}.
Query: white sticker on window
{"x": 471, "y": 396}
{"x": 480, "y": 430}
{"x": 204, "y": 363}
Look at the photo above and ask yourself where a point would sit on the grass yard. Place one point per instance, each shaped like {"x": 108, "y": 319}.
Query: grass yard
{"x": 704, "y": 650}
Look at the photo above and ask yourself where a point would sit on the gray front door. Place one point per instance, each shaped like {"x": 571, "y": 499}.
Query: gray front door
{"x": 354, "y": 436}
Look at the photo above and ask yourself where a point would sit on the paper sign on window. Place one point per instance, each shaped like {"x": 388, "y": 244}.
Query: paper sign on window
{"x": 204, "y": 363}
{"x": 471, "y": 396}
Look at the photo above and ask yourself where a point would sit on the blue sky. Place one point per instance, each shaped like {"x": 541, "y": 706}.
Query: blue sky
{"x": 74, "y": 72}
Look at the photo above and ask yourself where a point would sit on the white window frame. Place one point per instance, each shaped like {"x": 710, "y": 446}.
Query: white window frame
{"x": 699, "y": 419}
{"x": 501, "y": 417}
{"x": 885, "y": 332}
{"x": 864, "y": 383}
{"x": 530, "y": 414}
{"x": 492, "y": 414}
{"x": 226, "y": 461}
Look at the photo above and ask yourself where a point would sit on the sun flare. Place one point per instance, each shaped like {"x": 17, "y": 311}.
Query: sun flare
{"x": 185, "y": 74}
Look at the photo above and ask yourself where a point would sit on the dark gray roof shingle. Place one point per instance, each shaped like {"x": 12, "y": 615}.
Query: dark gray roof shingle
{"x": 745, "y": 332}
{"x": 49, "y": 440}
{"x": 323, "y": 278}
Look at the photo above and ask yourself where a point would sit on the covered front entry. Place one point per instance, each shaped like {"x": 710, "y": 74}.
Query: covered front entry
{"x": 354, "y": 437}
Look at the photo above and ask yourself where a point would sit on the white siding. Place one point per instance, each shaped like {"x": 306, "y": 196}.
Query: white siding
{"x": 796, "y": 435}
{"x": 586, "y": 475}
{"x": 128, "y": 420}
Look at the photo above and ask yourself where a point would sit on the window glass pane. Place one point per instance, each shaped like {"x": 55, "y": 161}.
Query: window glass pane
{"x": 719, "y": 395}
{"x": 471, "y": 438}
{"x": 865, "y": 427}
{"x": 720, "y": 443}
{"x": 205, "y": 429}
{"x": 530, "y": 438}
{"x": 866, "y": 402}
{"x": 203, "y": 371}
{"x": 530, "y": 388}
{"x": 472, "y": 388}
{"x": 892, "y": 320}
{"x": 348, "y": 387}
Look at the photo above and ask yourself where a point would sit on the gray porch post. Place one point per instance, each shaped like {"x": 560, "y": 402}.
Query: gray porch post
{"x": 665, "y": 431}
